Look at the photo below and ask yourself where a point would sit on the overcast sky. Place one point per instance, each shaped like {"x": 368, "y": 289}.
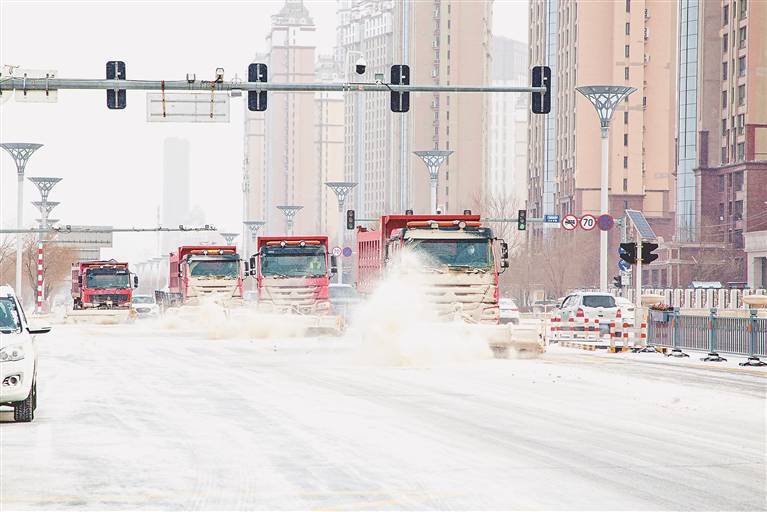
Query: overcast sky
{"x": 111, "y": 160}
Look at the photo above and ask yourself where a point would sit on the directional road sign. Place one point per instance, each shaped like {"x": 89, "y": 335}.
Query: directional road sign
{"x": 588, "y": 222}
{"x": 554, "y": 219}
{"x": 605, "y": 222}
{"x": 623, "y": 265}
{"x": 336, "y": 251}
{"x": 570, "y": 222}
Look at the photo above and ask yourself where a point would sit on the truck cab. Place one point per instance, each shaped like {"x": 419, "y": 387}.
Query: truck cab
{"x": 102, "y": 285}
{"x": 293, "y": 273}
{"x": 197, "y": 271}
{"x": 459, "y": 261}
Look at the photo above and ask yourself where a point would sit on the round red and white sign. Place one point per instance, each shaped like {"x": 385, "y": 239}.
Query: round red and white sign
{"x": 588, "y": 222}
{"x": 336, "y": 251}
{"x": 569, "y": 222}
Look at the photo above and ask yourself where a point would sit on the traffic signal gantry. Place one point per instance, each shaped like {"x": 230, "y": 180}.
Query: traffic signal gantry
{"x": 257, "y": 86}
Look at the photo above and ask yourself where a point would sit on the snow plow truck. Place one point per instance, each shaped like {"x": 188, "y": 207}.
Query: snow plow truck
{"x": 197, "y": 272}
{"x": 458, "y": 263}
{"x": 292, "y": 277}
{"x": 102, "y": 292}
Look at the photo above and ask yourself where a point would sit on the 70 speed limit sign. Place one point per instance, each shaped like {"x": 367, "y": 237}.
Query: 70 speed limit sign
{"x": 588, "y": 222}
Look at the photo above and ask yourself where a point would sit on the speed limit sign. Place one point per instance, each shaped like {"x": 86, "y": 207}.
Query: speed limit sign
{"x": 588, "y": 222}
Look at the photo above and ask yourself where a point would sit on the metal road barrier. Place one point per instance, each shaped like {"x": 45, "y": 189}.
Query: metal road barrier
{"x": 712, "y": 333}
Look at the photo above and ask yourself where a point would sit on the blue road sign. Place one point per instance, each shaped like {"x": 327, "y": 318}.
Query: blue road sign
{"x": 605, "y": 222}
{"x": 623, "y": 265}
{"x": 553, "y": 219}
{"x": 347, "y": 251}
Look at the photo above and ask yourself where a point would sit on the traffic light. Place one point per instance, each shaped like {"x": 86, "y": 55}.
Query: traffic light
{"x": 116, "y": 98}
{"x": 647, "y": 252}
{"x": 257, "y": 72}
{"x": 350, "y": 223}
{"x": 617, "y": 282}
{"x": 522, "y": 220}
{"x": 628, "y": 252}
{"x": 400, "y": 75}
{"x": 541, "y": 103}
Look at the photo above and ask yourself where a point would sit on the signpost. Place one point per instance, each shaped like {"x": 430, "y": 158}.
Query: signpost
{"x": 588, "y": 222}
{"x": 569, "y": 222}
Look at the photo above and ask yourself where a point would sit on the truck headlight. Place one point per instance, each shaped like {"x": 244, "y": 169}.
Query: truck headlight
{"x": 11, "y": 353}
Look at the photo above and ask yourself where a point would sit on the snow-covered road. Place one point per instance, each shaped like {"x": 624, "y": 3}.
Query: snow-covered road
{"x": 141, "y": 417}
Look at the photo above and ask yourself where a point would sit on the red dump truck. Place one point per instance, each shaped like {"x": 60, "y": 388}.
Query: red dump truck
{"x": 459, "y": 261}
{"x": 102, "y": 289}
{"x": 292, "y": 277}
{"x": 197, "y": 271}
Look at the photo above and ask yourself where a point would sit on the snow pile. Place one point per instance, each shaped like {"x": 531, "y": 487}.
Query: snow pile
{"x": 399, "y": 326}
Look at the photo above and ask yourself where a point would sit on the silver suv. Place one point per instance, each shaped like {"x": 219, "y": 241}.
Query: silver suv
{"x": 590, "y": 305}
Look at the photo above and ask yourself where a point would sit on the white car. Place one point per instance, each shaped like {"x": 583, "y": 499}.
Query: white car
{"x": 627, "y": 309}
{"x": 591, "y": 305}
{"x": 509, "y": 312}
{"x": 18, "y": 358}
{"x": 145, "y": 306}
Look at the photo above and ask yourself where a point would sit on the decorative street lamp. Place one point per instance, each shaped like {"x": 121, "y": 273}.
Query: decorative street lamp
{"x": 289, "y": 212}
{"x": 20, "y": 151}
{"x": 433, "y": 160}
{"x": 229, "y": 237}
{"x": 254, "y": 226}
{"x": 342, "y": 189}
{"x": 604, "y": 98}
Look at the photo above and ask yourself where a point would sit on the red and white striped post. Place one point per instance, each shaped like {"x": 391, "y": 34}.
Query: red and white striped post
{"x": 39, "y": 276}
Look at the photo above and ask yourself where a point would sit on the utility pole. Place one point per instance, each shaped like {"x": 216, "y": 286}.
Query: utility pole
{"x": 20, "y": 151}
{"x": 604, "y": 98}
{"x": 342, "y": 189}
{"x": 433, "y": 160}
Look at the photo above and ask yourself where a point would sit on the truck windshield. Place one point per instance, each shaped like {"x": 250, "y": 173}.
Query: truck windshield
{"x": 108, "y": 278}
{"x": 471, "y": 253}
{"x": 292, "y": 261}
{"x": 214, "y": 268}
{"x": 9, "y": 317}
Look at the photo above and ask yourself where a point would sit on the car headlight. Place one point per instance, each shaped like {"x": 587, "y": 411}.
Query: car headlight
{"x": 11, "y": 353}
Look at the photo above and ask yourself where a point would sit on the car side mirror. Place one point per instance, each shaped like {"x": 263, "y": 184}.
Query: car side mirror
{"x": 247, "y": 268}
{"x": 252, "y": 263}
{"x": 333, "y": 264}
{"x": 135, "y": 281}
{"x": 504, "y": 250}
{"x": 179, "y": 270}
{"x": 504, "y": 263}
{"x": 80, "y": 280}
{"x": 39, "y": 330}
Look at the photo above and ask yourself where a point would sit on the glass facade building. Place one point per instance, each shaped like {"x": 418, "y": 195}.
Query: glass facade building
{"x": 687, "y": 94}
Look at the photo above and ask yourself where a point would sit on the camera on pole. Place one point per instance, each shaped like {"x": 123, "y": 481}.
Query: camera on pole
{"x": 116, "y": 98}
{"x": 541, "y": 103}
{"x": 257, "y": 72}
{"x": 400, "y": 75}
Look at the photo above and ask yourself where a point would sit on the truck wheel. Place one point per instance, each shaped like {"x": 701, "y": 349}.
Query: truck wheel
{"x": 24, "y": 411}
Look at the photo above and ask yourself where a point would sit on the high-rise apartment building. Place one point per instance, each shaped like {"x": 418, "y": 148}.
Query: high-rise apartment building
{"x": 280, "y": 162}
{"x": 507, "y": 131}
{"x": 629, "y": 43}
{"x": 731, "y": 200}
{"x": 444, "y": 42}
{"x": 176, "y": 186}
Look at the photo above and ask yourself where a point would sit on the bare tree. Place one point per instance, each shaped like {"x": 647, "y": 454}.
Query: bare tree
{"x": 57, "y": 264}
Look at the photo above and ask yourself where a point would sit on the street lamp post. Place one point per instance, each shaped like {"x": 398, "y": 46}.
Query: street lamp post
{"x": 44, "y": 186}
{"x": 254, "y": 226}
{"x": 342, "y": 189}
{"x": 289, "y": 212}
{"x": 20, "y": 151}
{"x": 604, "y": 98}
{"x": 433, "y": 160}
